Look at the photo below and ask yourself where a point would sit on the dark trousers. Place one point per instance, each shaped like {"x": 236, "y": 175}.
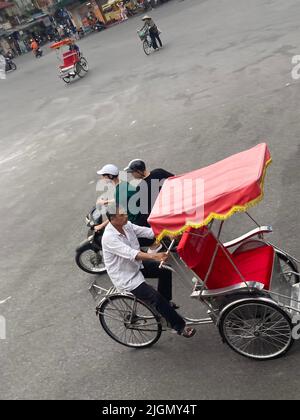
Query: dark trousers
{"x": 159, "y": 299}
{"x": 154, "y": 35}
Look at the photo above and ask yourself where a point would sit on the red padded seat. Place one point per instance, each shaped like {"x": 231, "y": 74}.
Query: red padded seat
{"x": 197, "y": 248}
{"x": 70, "y": 59}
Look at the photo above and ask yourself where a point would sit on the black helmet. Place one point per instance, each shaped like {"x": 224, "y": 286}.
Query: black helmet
{"x": 136, "y": 165}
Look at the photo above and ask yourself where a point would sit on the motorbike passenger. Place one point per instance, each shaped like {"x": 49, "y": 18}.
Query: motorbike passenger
{"x": 149, "y": 187}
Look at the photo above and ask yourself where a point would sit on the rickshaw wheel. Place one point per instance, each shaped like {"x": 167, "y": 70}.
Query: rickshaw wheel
{"x": 84, "y": 64}
{"x": 256, "y": 329}
{"x": 129, "y": 322}
{"x": 80, "y": 70}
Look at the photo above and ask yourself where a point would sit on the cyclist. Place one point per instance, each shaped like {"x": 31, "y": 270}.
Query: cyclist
{"x": 153, "y": 31}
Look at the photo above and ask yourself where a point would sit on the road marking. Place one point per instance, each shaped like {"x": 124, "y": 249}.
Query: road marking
{"x": 5, "y": 300}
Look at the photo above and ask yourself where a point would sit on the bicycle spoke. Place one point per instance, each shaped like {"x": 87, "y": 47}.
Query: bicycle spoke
{"x": 129, "y": 321}
{"x": 257, "y": 330}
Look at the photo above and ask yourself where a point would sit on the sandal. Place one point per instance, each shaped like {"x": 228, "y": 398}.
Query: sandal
{"x": 188, "y": 332}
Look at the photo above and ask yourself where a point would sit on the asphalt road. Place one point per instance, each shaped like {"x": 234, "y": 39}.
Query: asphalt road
{"x": 221, "y": 84}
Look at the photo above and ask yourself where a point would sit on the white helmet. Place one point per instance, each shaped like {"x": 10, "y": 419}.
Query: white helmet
{"x": 109, "y": 170}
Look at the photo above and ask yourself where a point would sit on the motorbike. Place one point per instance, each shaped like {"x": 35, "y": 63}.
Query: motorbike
{"x": 145, "y": 5}
{"x": 10, "y": 54}
{"x": 80, "y": 33}
{"x": 98, "y": 27}
{"x": 89, "y": 257}
{"x": 38, "y": 53}
{"x": 9, "y": 64}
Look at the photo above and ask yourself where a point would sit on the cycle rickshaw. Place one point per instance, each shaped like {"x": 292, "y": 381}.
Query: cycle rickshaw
{"x": 72, "y": 62}
{"x": 249, "y": 286}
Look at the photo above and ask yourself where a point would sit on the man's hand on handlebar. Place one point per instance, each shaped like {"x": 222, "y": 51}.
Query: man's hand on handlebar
{"x": 160, "y": 257}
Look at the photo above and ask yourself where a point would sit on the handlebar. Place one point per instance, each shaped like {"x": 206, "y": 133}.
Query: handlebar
{"x": 161, "y": 265}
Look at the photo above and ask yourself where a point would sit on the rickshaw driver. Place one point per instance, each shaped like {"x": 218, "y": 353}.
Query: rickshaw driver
{"x": 127, "y": 267}
{"x": 74, "y": 47}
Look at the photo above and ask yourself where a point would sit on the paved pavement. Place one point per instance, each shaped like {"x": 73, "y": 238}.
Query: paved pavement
{"x": 221, "y": 84}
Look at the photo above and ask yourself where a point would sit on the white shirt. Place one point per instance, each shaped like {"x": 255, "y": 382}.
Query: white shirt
{"x": 119, "y": 252}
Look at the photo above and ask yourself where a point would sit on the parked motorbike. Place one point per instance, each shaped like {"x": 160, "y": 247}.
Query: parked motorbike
{"x": 9, "y": 65}
{"x": 89, "y": 256}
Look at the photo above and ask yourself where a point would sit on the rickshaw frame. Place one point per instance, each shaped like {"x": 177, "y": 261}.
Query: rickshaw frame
{"x": 238, "y": 294}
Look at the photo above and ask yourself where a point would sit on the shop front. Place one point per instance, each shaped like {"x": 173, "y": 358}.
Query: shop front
{"x": 112, "y": 10}
{"x": 85, "y": 14}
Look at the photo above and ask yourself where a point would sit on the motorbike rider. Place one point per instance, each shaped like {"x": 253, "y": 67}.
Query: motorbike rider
{"x": 80, "y": 32}
{"x": 34, "y": 46}
{"x": 153, "y": 31}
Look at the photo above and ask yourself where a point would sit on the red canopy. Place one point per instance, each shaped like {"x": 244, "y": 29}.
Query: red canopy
{"x": 215, "y": 192}
{"x": 63, "y": 42}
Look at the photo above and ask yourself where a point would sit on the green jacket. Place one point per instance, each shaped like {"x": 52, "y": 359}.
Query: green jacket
{"x": 123, "y": 194}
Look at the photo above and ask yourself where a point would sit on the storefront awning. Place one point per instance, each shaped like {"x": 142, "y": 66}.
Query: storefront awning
{"x": 5, "y": 5}
{"x": 30, "y": 24}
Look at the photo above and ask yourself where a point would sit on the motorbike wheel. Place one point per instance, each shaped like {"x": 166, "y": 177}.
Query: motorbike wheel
{"x": 90, "y": 260}
{"x": 13, "y": 66}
